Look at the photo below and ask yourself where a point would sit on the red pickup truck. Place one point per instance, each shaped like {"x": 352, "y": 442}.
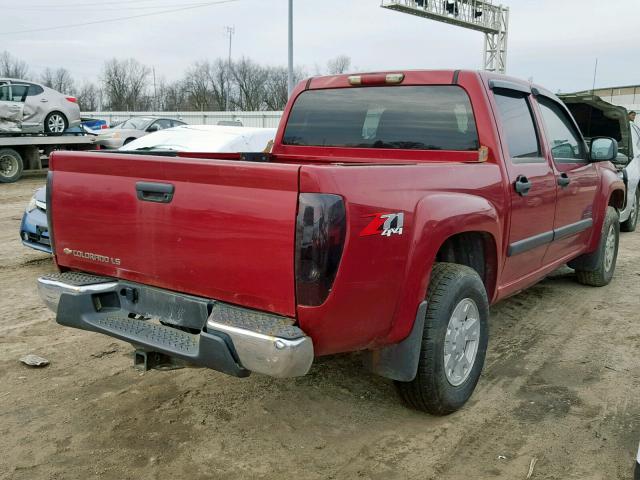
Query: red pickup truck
{"x": 393, "y": 209}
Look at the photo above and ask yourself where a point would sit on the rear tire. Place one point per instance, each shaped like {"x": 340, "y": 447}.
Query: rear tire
{"x": 630, "y": 224}
{"x": 11, "y": 165}
{"x": 456, "y": 304}
{"x": 604, "y": 258}
{"x": 55, "y": 122}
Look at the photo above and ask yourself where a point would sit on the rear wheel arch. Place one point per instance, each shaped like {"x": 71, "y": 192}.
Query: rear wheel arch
{"x": 474, "y": 249}
{"x": 617, "y": 199}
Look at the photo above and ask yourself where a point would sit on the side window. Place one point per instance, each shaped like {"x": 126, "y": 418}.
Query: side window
{"x": 5, "y": 93}
{"x": 566, "y": 145}
{"x": 19, "y": 93}
{"x": 35, "y": 90}
{"x": 517, "y": 123}
{"x": 163, "y": 123}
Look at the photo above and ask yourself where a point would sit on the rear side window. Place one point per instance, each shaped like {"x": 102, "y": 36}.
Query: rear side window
{"x": 415, "y": 118}
{"x": 517, "y": 123}
{"x": 566, "y": 144}
{"x": 35, "y": 90}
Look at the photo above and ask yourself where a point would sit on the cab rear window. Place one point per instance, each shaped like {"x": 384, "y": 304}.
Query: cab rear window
{"x": 411, "y": 117}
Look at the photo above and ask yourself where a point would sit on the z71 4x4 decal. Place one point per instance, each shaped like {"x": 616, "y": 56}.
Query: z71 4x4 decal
{"x": 385, "y": 224}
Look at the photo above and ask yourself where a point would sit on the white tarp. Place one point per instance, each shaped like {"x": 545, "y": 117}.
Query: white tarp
{"x": 11, "y": 114}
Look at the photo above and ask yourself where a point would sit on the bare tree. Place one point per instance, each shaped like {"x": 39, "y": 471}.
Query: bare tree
{"x": 250, "y": 84}
{"x": 340, "y": 64}
{"x": 277, "y": 88}
{"x": 220, "y": 83}
{"x": 172, "y": 97}
{"x": 90, "y": 97}
{"x": 59, "y": 79}
{"x": 197, "y": 86}
{"x": 125, "y": 84}
{"x": 13, "y": 67}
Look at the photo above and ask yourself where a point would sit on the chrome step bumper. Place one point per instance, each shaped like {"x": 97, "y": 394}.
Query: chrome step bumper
{"x": 230, "y": 339}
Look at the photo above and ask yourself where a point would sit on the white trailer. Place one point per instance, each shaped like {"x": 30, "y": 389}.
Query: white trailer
{"x": 22, "y": 152}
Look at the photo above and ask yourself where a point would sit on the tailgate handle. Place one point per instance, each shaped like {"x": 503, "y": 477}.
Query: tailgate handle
{"x": 155, "y": 192}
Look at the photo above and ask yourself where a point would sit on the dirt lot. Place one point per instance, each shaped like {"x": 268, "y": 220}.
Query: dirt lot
{"x": 560, "y": 385}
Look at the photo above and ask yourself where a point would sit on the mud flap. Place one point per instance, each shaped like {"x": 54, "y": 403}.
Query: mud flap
{"x": 399, "y": 361}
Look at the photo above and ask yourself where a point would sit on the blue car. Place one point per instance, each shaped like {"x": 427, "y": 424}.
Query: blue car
{"x": 89, "y": 125}
{"x": 34, "y": 230}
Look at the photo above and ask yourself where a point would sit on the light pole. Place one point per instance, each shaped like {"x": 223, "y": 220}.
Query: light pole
{"x": 290, "y": 77}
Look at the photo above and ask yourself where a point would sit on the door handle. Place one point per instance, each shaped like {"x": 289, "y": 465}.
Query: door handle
{"x": 155, "y": 192}
{"x": 563, "y": 180}
{"x": 44, "y": 100}
{"x": 522, "y": 185}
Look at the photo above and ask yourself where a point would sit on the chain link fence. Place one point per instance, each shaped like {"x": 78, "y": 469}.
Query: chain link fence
{"x": 246, "y": 119}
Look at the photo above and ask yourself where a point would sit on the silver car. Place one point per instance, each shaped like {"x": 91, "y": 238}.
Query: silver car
{"x": 43, "y": 109}
{"x": 133, "y": 128}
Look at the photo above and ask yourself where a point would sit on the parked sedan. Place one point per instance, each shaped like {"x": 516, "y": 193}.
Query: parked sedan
{"x": 43, "y": 109}
{"x": 187, "y": 138}
{"x": 34, "y": 231}
{"x": 133, "y": 128}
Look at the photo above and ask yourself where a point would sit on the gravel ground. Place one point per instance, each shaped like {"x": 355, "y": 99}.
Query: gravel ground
{"x": 560, "y": 386}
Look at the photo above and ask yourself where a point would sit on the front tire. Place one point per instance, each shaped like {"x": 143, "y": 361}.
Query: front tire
{"x": 11, "y": 165}
{"x": 454, "y": 342}
{"x": 55, "y": 122}
{"x": 603, "y": 260}
{"x": 630, "y": 224}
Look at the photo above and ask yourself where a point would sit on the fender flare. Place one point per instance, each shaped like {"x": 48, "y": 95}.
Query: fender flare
{"x": 438, "y": 217}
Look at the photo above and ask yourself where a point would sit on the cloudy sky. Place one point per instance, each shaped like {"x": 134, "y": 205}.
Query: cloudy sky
{"x": 556, "y": 42}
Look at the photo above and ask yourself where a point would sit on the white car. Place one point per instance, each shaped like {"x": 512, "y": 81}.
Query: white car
{"x": 205, "y": 139}
{"x": 597, "y": 118}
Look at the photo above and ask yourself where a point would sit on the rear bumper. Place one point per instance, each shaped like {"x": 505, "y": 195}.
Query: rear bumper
{"x": 226, "y": 338}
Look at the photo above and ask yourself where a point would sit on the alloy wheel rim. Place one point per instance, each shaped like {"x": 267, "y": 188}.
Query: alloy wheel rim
{"x": 610, "y": 249}
{"x": 8, "y": 166}
{"x": 56, "y": 124}
{"x": 461, "y": 342}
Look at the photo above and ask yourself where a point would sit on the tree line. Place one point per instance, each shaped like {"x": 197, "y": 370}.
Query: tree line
{"x": 208, "y": 85}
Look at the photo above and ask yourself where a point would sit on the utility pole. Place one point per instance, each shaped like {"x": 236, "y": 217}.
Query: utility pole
{"x": 229, "y": 31}
{"x": 595, "y": 75}
{"x": 290, "y": 76}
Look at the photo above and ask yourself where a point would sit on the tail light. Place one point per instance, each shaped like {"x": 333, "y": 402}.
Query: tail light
{"x": 104, "y": 126}
{"x": 320, "y": 234}
{"x": 72, "y": 99}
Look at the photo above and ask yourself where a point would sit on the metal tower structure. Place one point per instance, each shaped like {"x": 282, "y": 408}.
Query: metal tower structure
{"x": 483, "y": 16}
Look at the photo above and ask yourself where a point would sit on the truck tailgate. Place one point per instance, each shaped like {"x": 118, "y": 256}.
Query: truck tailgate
{"x": 227, "y": 232}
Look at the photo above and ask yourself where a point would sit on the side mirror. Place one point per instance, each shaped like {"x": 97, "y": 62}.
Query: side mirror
{"x": 604, "y": 149}
{"x": 153, "y": 128}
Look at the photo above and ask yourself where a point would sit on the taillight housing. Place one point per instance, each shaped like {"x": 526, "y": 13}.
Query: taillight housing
{"x": 320, "y": 235}
{"x": 72, "y": 99}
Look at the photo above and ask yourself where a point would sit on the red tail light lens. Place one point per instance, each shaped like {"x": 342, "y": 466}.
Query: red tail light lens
{"x": 72, "y": 99}
{"x": 104, "y": 126}
{"x": 320, "y": 234}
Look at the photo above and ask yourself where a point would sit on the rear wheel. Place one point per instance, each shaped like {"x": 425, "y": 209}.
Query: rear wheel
{"x": 55, "y": 122}
{"x": 630, "y": 224}
{"x": 454, "y": 341}
{"x": 11, "y": 165}
{"x": 602, "y": 262}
